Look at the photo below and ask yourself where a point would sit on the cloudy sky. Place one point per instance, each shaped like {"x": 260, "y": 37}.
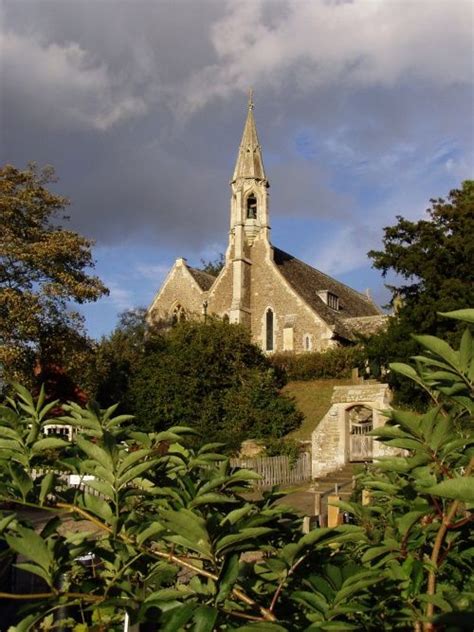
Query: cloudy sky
{"x": 364, "y": 111}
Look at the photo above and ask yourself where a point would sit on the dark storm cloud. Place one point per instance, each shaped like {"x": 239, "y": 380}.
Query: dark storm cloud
{"x": 140, "y": 107}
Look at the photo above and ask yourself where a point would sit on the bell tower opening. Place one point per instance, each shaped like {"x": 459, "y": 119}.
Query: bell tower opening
{"x": 251, "y": 207}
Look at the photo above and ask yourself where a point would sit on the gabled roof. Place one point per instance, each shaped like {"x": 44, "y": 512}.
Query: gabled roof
{"x": 307, "y": 282}
{"x": 203, "y": 279}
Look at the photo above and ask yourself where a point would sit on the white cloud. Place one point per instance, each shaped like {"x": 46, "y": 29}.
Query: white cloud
{"x": 152, "y": 272}
{"x": 121, "y": 298}
{"x": 66, "y": 84}
{"x": 323, "y": 43}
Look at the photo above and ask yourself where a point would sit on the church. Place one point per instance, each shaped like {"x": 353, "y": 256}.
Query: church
{"x": 287, "y": 304}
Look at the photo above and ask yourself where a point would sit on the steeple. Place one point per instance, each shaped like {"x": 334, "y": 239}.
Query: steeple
{"x": 249, "y": 163}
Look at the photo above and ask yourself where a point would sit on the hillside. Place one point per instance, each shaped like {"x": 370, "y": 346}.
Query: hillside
{"x": 313, "y": 399}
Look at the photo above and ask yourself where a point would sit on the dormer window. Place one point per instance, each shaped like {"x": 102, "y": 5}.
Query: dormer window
{"x": 331, "y": 300}
{"x": 251, "y": 207}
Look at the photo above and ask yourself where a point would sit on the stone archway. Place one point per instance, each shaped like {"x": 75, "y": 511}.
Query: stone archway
{"x": 359, "y": 422}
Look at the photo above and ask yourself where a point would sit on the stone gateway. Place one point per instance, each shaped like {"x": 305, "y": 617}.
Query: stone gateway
{"x": 287, "y": 304}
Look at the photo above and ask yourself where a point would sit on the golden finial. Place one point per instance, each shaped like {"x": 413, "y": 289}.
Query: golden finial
{"x": 250, "y": 98}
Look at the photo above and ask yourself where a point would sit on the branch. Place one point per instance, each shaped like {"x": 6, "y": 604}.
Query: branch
{"x": 282, "y": 583}
{"x": 237, "y": 592}
{"x": 48, "y": 595}
{"x": 445, "y": 525}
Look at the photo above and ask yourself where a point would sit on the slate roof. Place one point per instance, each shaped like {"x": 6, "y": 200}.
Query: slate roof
{"x": 307, "y": 282}
{"x": 203, "y": 279}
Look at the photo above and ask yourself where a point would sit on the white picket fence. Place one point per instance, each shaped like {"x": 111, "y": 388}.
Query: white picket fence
{"x": 277, "y": 470}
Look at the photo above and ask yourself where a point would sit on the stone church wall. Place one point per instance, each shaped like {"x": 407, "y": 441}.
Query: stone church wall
{"x": 293, "y": 319}
{"x": 220, "y": 296}
{"x": 179, "y": 289}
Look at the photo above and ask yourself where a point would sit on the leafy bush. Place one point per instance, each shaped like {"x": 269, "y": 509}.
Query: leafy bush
{"x": 334, "y": 363}
{"x": 211, "y": 375}
{"x": 176, "y": 544}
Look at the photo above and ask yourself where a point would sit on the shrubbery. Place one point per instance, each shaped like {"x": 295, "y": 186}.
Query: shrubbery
{"x": 334, "y": 363}
{"x": 168, "y": 525}
{"x": 209, "y": 374}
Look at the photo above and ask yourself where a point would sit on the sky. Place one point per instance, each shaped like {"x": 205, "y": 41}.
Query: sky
{"x": 364, "y": 111}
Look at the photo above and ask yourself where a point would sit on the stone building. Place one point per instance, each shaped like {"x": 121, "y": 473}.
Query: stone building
{"x": 287, "y": 304}
{"x": 343, "y": 434}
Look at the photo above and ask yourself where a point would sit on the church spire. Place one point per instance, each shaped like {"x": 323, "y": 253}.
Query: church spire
{"x": 249, "y": 163}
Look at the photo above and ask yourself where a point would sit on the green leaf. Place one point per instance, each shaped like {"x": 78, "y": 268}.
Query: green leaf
{"x": 46, "y": 486}
{"x": 228, "y": 576}
{"x": 242, "y": 536}
{"x": 439, "y": 348}
{"x": 235, "y": 515}
{"x": 406, "y": 521}
{"x": 406, "y": 370}
{"x": 466, "y": 315}
{"x": 50, "y": 443}
{"x": 94, "y": 452}
{"x": 98, "y": 507}
{"x": 151, "y": 530}
{"x": 175, "y": 619}
{"x": 204, "y": 619}
{"x": 211, "y": 498}
{"x": 32, "y": 546}
{"x": 457, "y": 488}
{"x": 36, "y": 570}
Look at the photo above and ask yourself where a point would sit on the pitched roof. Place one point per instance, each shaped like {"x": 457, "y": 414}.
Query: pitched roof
{"x": 249, "y": 160}
{"x": 307, "y": 282}
{"x": 203, "y": 279}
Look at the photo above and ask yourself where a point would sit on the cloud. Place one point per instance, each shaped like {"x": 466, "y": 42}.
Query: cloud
{"x": 120, "y": 297}
{"x": 62, "y": 85}
{"x": 324, "y": 43}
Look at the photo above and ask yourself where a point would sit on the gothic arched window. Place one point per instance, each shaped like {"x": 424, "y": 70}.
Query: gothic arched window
{"x": 251, "y": 207}
{"x": 179, "y": 315}
{"x": 269, "y": 330}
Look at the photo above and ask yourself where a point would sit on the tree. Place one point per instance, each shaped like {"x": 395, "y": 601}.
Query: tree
{"x": 117, "y": 356}
{"x": 433, "y": 258}
{"x": 178, "y": 544}
{"x": 213, "y": 267}
{"x": 211, "y": 375}
{"x": 43, "y": 267}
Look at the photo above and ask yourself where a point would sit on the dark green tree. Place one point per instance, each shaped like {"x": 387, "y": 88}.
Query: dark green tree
{"x": 117, "y": 357}
{"x": 433, "y": 260}
{"x": 211, "y": 375}
{"x": 214, "y": 266}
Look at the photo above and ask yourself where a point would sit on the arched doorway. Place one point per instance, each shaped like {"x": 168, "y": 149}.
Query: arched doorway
{"x": 360, "y": 422}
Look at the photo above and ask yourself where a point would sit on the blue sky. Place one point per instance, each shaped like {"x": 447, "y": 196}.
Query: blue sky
{"x": 364, "y": 111}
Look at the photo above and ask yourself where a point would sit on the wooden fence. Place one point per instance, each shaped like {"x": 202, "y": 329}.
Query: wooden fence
{"x": 277, "y": 470}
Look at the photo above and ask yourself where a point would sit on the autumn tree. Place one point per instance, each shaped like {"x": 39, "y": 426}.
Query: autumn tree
{"x": 43, "y": 268}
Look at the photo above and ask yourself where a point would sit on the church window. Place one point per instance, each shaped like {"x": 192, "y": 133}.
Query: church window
{"x": 330, "y": 299}
{"x": 269, "y": 330}
{"x": 251, "y": 207}
{"x": 308, "y": 343}
{"x": 179, "y": 315}
{"x": 333, "y": 301}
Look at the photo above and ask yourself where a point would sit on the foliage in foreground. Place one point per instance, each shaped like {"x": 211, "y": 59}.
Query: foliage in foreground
{"x": 177, "y": 543}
